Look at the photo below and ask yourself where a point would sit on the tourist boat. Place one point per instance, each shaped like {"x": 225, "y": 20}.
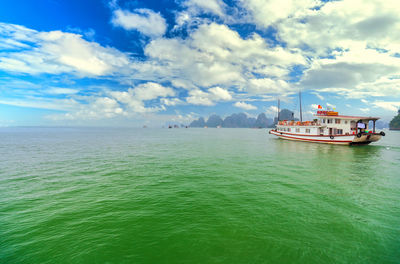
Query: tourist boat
{"x": 329, "y": 127}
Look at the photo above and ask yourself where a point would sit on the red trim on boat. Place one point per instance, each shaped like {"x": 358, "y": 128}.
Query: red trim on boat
{"x": 306, "y": 139}
{"x": 314, "y": 135}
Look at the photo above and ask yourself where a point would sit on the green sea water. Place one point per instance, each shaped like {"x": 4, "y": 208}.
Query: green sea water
{"x": 121, "y": 195}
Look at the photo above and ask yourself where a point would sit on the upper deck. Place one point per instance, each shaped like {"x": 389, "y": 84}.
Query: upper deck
{"x": 332, "y": 114}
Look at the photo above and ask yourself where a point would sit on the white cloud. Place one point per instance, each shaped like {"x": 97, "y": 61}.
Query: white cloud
{"x": 220, "y": 94}
{"x": 214, "y": 55}
{"x": 134, "y": 98}
{"x": 267, "y": 12}
{"x": 272, "y": 111}
{"x": 198, "y": 97}
{"x": 210, "y": 6}
{"x": 390, "y": 106}
{"x": 385, "y": 86}
{"x": 57, "y": 52}
{"x": 215, "y": 94}
{"x": 146, "y": 21}
{"x": 245, "y": 106}
{"x": 345, "y": 24}
{"x": 349, "y": 69}
{"x": 43, "y": 103}
{"x": 59, "y": 90}
{"x": 15, "y": 37}
{"x": 110, "y": 104}
{"x": 171, "y": 101}
{"x": 344, "y": 48}
{"x": 352, "y": 46}
{"x": 269, "y": 86}
{"x": 331, "y": 106}
{"x": 320, "y": 97}
{"x": 314, "y": 106}
{"x": 97, "y": 108}
{"x": 151, "y": 90}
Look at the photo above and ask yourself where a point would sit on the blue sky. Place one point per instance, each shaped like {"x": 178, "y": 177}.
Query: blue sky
{"x": 130, "y": 63}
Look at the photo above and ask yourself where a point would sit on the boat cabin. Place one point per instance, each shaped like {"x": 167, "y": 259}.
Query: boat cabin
{"x": 329, "y": 123}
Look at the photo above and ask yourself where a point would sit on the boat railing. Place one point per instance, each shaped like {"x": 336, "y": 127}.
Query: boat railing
{"x": 298, "y": 123}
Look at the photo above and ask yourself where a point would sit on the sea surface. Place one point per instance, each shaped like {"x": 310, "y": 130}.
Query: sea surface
{"x": 124, "y": 195}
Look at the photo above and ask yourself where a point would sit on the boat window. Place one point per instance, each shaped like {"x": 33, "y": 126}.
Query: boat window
{"x": 323, "y": 120}
{"x": 339, "y": 131}
{"x": 353, "y": 125}
{"x": 288, "y": 130}
{"x": 329, "y": 121}
{"x": 297, "y": 130}
{"x": 345, "y": 121}
{"x": 337, "y": 121}
{"x": 307, "y": 130}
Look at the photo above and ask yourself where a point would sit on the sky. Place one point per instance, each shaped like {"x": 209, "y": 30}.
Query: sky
{"x": 135, "y": 63}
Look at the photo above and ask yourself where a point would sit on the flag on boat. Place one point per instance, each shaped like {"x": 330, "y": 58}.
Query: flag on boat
{"x": 319, "y": 107}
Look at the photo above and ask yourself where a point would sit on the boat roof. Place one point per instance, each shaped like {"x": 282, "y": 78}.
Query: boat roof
{"x": 349, "y": 117}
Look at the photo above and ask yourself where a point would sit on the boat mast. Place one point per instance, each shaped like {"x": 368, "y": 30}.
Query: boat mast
{"x": 278, "y": 110}
{"x": 301, "y": 114}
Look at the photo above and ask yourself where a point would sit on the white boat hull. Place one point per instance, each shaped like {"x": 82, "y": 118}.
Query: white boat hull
{"x": 337, "y": 140}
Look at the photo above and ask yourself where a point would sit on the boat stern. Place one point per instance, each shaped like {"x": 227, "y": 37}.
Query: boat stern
{"x": 366, "y": 138}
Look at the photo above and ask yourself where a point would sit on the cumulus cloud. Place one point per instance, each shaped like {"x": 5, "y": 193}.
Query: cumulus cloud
{"x": 215, "y": 94}
{"x": 267, "y": 12}
{"x": 110, "y": 104}
{"x": 56, "y": 52}
{"x": 220, "y": 94}
{"x": 146, "y": 21}
{"x": 215, "y": 55}
{"x": 245, "y": 106}
{"x": 347, "y": 48}
{"x": 97, "y": 108}
{"x": 350, "y": 68}
{"x": 171, "y": 101}
{"x": 198, "y": 97}
{"x": 345, "y": 24}
{"x": 272, "y": 111}
{"x": 269, "y": 86}
{"x": 134, "y": 98}
{"x": 390, "y": 106}
{"x": 352, "y": 46}
{"x": 211, "y": 6}
{"x": 151, "y": 90}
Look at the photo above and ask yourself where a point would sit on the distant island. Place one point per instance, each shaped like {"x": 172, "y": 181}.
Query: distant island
{"x": 241, "y": 120}
{"x": 395, "y": 123}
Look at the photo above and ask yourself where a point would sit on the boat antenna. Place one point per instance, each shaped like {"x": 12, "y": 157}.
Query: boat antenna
{"x": 279, "y": 102}
{"x": 301, "y": 114}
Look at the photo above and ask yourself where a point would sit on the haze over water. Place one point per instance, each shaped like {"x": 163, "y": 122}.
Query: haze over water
{"x": 120, "y": 195}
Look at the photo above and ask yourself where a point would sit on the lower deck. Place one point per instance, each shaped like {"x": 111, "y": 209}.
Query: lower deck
{"x": 361, "y": 138}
